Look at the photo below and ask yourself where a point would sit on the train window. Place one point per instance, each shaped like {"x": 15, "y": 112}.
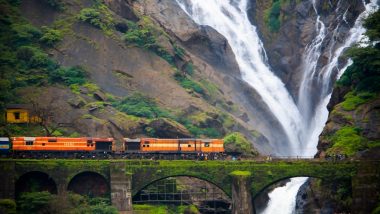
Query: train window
{"x": 207, "y": 144}
{"x": 29, "y": 143}
{"x": 43, "y": 144}
{"x": 189, "y": 145}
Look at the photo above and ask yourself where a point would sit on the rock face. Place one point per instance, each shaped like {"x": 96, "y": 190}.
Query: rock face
{"x": 165, "y": 128}
{"x": 297, "y": 29}
{"x": 365, "y": 118}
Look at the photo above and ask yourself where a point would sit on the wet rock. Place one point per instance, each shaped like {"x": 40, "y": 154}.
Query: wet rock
{"x": 166, "y": 128}
{"x": 100, "y": 96}
{"x": 77, "y": 102}
{"x": 122, "y": 8}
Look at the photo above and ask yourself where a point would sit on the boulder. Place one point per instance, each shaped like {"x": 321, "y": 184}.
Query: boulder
{"x": 166, "y": 128}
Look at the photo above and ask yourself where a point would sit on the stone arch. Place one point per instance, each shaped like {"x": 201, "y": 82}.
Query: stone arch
{"x": 180, "y": 175}
{"x": 35, "y": 181}
{"x": 207, "y": 195}
{"x": 89, "y": 183}
{"x": 261, "y": 197}
{"x": 279, "y": 180}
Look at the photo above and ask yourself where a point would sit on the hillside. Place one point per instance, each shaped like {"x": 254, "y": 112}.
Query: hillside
{"x": 112, "y": 69}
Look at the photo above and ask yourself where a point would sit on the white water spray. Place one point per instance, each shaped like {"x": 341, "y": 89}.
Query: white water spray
{"x": 303, "y": 122}
{"x": 231, "y": 20}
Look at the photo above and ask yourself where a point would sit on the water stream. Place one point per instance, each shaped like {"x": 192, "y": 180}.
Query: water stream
{"x": 230, "y": 19}
{"x": 303, "y": 120}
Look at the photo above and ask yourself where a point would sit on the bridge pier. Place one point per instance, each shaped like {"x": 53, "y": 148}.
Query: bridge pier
{"x": 241, "y": 193}
{"x": 121, "y": 187}
{"x": 365, "y": 188}
{"x": 7, "y": 178}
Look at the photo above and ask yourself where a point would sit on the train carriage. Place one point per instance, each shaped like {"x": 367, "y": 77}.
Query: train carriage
{"x": 4, "y": 145}
{"x": 61, "y": 145}
{"x": 184, "y": 145}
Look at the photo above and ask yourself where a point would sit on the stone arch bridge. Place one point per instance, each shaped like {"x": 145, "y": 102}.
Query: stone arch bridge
{"x": 241, "y": 180}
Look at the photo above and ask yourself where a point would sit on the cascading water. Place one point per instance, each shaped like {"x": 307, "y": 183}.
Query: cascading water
{"x": 304, "y": 121}
{"x": 317, "y": 115}
{"x": 230, "y": 19}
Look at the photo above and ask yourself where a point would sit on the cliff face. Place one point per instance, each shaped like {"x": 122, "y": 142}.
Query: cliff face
{"x": 293, "y": 23}
{"x": 358, "y": 123}
{"x": 189, "y": 72}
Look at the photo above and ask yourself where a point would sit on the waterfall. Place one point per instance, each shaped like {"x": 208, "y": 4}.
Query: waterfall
{"x": 302, "y": 121}
{"x": 230, "y": 19}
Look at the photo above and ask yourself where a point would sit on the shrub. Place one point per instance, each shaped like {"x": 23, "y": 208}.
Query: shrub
{"x": 353, "y": 100}
{"x": 347, "y": 141}
{"x": 25, "y": 33}
{"x": 364, "y": 73}
{"x": 188, "y": 83}
{"x": 51, "y": 36}
{"x": 236, "y": 142}
{"x": 189, "y": 68}
{"x": 144, "y": 36}
{"x": 141, "y": 106}
{"x": 34, "y": 202}
{"x": 91, "y": 16}
{"x": 68, "y": 76}
{"x": 7, "y": 206}
{"x": 272, "y": 16}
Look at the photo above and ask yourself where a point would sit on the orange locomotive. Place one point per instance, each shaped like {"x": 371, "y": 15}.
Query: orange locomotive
{"x": 106, "y": 148}
{"x": 155, "y": 145}
{"x": 64, "y": 144}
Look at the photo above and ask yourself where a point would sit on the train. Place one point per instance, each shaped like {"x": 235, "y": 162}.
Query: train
{"x": 90, "y": 147}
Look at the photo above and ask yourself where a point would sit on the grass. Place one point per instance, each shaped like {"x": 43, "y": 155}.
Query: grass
{"x": 347, "y": 141}
{"x": 353, "y": 99}
{"x": 241, "y": 173}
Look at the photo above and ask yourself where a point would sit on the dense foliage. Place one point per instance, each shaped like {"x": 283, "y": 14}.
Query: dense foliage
{"x": 7, "y": 206}
{"x": 141, "y": 106}
{"x": 364, "y": 73}
{"x": 44, "y": 202}
{"x": 347, "y": 141}
{"x": 163, "y": 209}
{"x": 99, "y": 16}
{"x": 272, "y": 16}
{"x": 144, "y": 35}
{"x": 189, "y": 84}
{"x": 236, "y": 142}
{"x": 23, "y": 60}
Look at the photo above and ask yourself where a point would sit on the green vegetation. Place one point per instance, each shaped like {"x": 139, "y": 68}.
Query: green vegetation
{"x": 347, "y": 141}
{"x": 145, "y": 35}
{"x": 44, "y": 202}
{"x": 99, "y": 16}
{"x": 7, "y": 206}
{"x": 236, "y": 142}
{"x": 189, "y": 84}
{"x": 353, "y": 99}
{"x": 197, "y": 130}
{"x": 364, "y": 74}
{"x": 23, "y": 60}
{"x": 272, "y": 16}
{"x": 51, "y": 36}
{"x": 68, "y": 76}
{"x": 164, "y": 209}
{"x": 241, "y": 173}
{"x": 140, "y": 106}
